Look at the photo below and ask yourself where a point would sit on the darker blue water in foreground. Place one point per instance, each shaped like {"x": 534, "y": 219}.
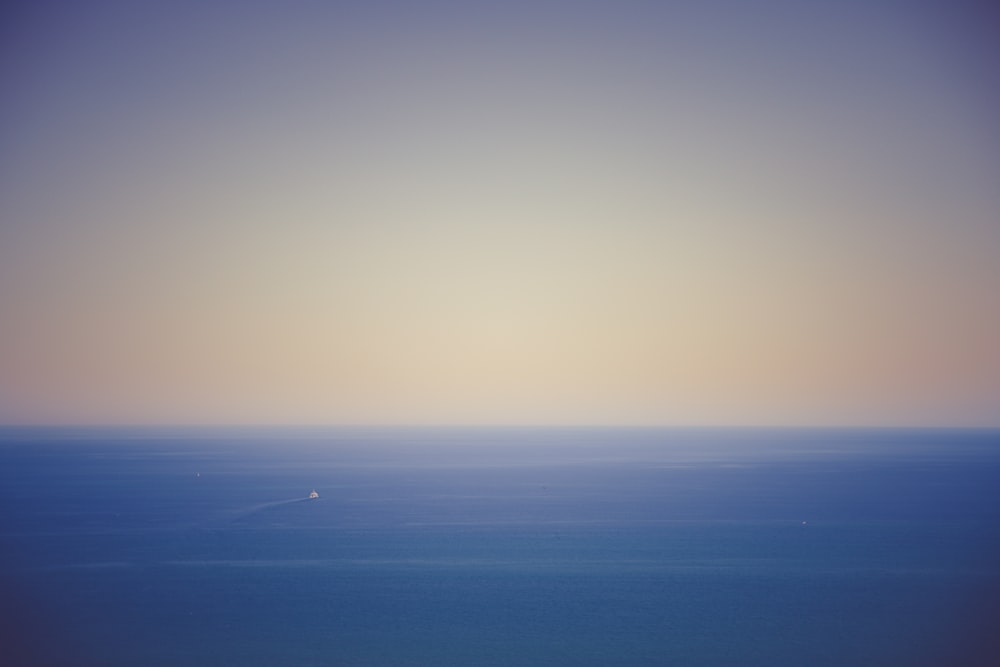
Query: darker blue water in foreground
{"x": 448, "y": 547}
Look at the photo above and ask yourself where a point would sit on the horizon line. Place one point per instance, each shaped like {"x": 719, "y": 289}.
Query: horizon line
{"x": 486, "y": 425}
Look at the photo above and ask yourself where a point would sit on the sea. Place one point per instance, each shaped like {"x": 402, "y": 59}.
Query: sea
{"x": 505, "y": 546}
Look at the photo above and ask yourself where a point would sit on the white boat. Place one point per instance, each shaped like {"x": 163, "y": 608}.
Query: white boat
{"x": 313, "y": 494}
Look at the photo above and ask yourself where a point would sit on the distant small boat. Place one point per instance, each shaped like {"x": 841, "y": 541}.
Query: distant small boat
{"x": 313, "y": 494}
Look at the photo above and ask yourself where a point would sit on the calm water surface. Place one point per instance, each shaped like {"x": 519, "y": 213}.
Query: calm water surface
{"x": 508, "y": 546}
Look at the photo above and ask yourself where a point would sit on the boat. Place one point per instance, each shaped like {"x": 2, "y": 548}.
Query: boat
{"x": 313, "y": 494}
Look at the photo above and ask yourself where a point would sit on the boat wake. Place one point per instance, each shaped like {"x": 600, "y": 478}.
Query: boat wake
{"x": 245, "y": 513}
{"x": 253, "y": 509}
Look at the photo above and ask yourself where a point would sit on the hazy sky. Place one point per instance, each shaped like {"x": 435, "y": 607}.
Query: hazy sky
{"x": 745, "y": 212}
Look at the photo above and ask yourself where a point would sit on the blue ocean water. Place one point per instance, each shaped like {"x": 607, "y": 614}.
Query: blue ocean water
{"x": 499, "y": 546}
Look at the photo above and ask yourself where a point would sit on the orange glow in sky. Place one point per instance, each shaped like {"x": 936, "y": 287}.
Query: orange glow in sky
{"x": 530, "y": 213}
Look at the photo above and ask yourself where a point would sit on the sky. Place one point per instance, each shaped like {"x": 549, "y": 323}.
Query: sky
{"x": 755, "y": 212}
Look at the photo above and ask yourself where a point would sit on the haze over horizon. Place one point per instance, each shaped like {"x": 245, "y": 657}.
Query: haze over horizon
{"x": 559, "y": 212}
